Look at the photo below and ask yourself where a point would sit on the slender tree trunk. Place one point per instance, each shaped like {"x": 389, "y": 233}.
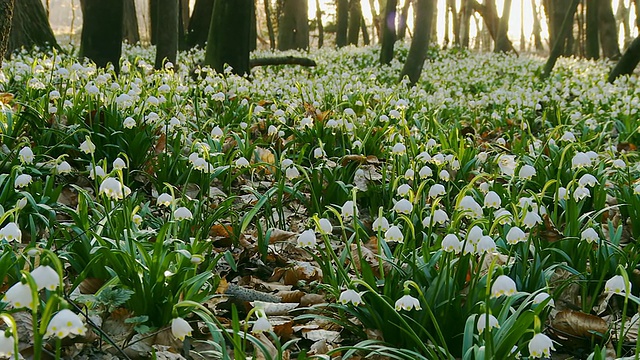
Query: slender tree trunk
{"x": 229, "y": 35}
{"x": 293, "y": 26}
{"x": 636, "y": 6}
{"x": 503, "y": 28}
{"x": 130, "y": 30}
{"x": 537, "y": 28}
{"x": 167, "y": 39}
{"x": 607, "y": 30}
{"x": 592, "y": 46}
{"x": 622, "y": 18}
{"x": 355, "y": 17}
{"x": 199, "y": 22}
{"x": 272, "y": 34}
{"x": 556, "y": 51}
{"x": 402, "y": 20}
{"x": 319, "y": 24}
{"x": 445, "y": 41}
{"x": 388, "y": 32}
{"x": 375, "y": 23}
{"x": 420, "y": 44}
{"x": 183, "y": 24}
{"x": 30, "y": 27}
{"x": 627, "y": 62}
{"x": 6, "y": 13}
{"x": 466, "y": 10}
{"x": 253, "y": 38}
{"x": 365, "y": 32}
{"x": 342, "y": 22}
{"x": 492, "y": 22}
{"x": 455, "y": 21}
{"x": 153, "y": 21}
{"x": 102, "y": 32}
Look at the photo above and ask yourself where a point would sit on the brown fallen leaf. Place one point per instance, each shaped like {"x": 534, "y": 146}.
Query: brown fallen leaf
{"x": 576, "y": 325}
{"x": 278, "y": 235}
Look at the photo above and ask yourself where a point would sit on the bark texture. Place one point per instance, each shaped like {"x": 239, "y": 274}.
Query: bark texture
{"x": 30, "y": 27}
{"x": 229, "y": 35}
{"x": 592, "y": 46}
{"x": 627, "y": 62}
{"x": 558, "y": 47}
{"x": 6, "y": 13}
{"x": 198, "y": 29}
{"x": 342, "y": 22}
{"x": 293, "y": 25}
{"x": 102, "y": 32}
{"x": 167, "y": 39}
{"x": 607, "y": 30}
{"x": 130, "y": 30}
{"x": 388, "y": 32}
{"x": 491, "y": 19}
{"x": 355, "y": 18}
{"x": 420, "y": 44}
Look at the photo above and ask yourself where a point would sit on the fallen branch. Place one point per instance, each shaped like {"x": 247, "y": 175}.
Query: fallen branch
{"x": 284, "y": 60}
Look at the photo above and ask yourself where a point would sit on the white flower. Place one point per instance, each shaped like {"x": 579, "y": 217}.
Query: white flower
{"x": 11, "y": 232}
{"x": 587, "y": 180}
{"x": 590, "y": 235}
{"x": 409, "y": 174}
{"x": 261, "y": 324}
{"x": 515, "y": 235}
{"x": 137, "y": 219}
{"x": 182, "y": 213}
{"x": 324, "y": 226}
{"x": 503, "y": 216}
{"x": 616, "y": 285}
{"x": 45, "y": 277}
{"x": 319, "y": 153}
{"x": 6, "y": 345}
{"x": 164, "y": 199}
{"x": 619, "y": 164}
{"x": 492, "y": 200}
{"x": 292, "y": 173}
{"x": 380, "y": 224}
{"x": 407, "y": 302}
{"x": 562, "y": 193}
{"x": 307, "y": 238}
{"x": 65, "y": 323}
{"x": 119, "y": 164}
{"x": 129, "y": 123}
{"x": 503, "y": 285}
{"x": 444, "y": 175}
{"x": 394, "y": 234}
{"x": 482, "y": 322}
{"x": 579, "y": 160}
{"x": 538, "y": 299}
{"x": 180, "y": 328}
{"x": 636, "y": 190}
{"x": 474, "y": 235}
{"x": 540, "y": 346}
{"x": 436, "y": 190}
{"x": 26, "y": 155}
{"x": 440, "y": 216}
{"x": 217, "y": 133}
{"x": 482, "y": 156}
{"x": 96, "y": 171}
{"x": 242, "y": 162}
{"x": 349, "y": 209}
{"x": 425, "y": 172}
{"x": 23, "y": 180}
{"x": 580, "y": 193}
{"x": 485, "y": 245}
{"x": 403, "y": 190}
{"x": 531, "y": 219}
{"x": 403, "y": 206}
{"x": 87, "y": 146}
{"x": 527, "y": 172}
{"x": 19, "y": 295}
{"x": 63, "y": 168}
{"x": 568, "y": 137}
{"x": 113, "y": 188}
{"x": 470, "y": 207}
{"x": 450, "y": 243}
{"x": 350, "y": 296}
{"x": 507, "y": 164}
{"x": 398, "y": 149}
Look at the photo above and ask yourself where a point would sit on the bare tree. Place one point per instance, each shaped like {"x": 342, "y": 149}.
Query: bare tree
{"x": 130, "y": 30}
{"x": 355, "y": 20}
{"x": 466, "y": 10}
{"x": 537, "y": 28}
{"x": 319, "y": 24}
{"x": 229, "y": 35}
{"x": 420, "y": 44}
{"x": 30, "y": 27}
{"x": 592, "y": 45}
{"x": 607, "y": 30}
{"x": 6, "y": 13}
{"x": 388, "y": 32}
{"x": 198, "y": 29}
{"x": 556, "y": 50}
{"x": 498, "y": 33}
{"x": 342, "y": 22}
{"x": 402, "y": 19}
{"x": 627, "y": 62}
{"x": 293, "y": 25}
{"x": 102, "y": 31}
{"x": 167, "y": 39}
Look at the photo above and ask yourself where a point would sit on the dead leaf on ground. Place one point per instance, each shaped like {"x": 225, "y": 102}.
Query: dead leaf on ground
{"x": 278, "y": 235}
{"x": 575, "y": 325}
{"x": 275, "y": 309}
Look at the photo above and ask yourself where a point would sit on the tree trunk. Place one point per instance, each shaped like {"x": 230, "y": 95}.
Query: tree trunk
{"x": 183, "y": 24}
{"x": 402, "y": 20}
{"x": 537, "y": 28}
{"x": 420, "y": 44}
{"x": 272, "y": 34}
{"x": 375, "y": 23}
{"x": 556, "y": 11}
{"x": 102, "y": 32}
{"x": 388, "y": 32}
{"x": 293, "y": 25}
{"x": 607, "y": 30}
{"x": 198, "y": 31}
{"x": 342, "y": 22}
{"x": 627, "y": 62}
{"x": 365, "y": 32}
{"x": 167, "y": 39}
{"x": 636, "y": 6}
{"x": 434, "y": 20}
{"x": 319, "y": 24}
{"x": 355, "y": 17}
{"x": 492, "y": 22}
{"x": 153, "y": 21}
{"x": 455, "y": 21}
{"x": 253, "y": 38}
{"x": 6, "y": 13}
{"x": 556, "y": 51}
{"x": 466, "y": 10}
{"x": 622, "y": 18}
{"x": 229, "y": 35}
{"x": 130, "y": 30}
{"x": 503, "y": 28}
{"x": 592, "y": 46}
{"x": 30, "y": 27}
